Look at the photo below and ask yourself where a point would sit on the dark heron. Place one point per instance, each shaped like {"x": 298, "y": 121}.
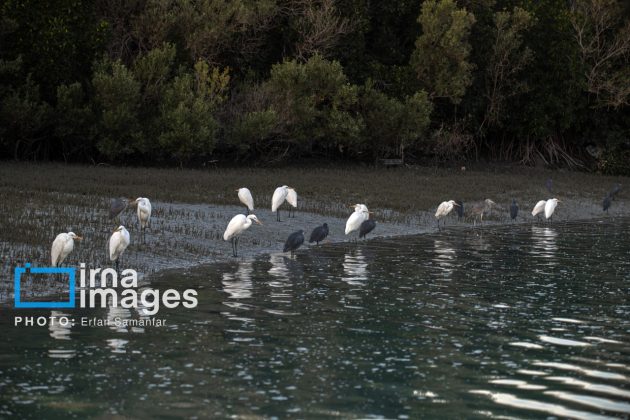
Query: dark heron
{"x": 459, "y": 209}
{"x": 549, "y": 185}
{"x": 319, "y": 234}
{"x": 118, "y": 205}
{"x": 479, "y": 208}
{"x": 607, "y": 202}
{"x": 294, "y": 241}
{"x": 614, "y": 191}
{"x": 513, "y": 209}
{"x": 366, "y": 227}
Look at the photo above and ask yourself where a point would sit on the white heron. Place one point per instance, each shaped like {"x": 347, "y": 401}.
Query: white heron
{"x": 360, "y": 215}
{"x": 444, "y": 209}
{"x": 62, "y": 246}
{"x": 238, "y": 225}
{"x": 539, "y": 208}
{"x": 292, "y": 200}
{"x": 279, "y": 195}
{"x": 118, "y": 242}
{"x": 550, "y": 207}
{"x": 245, "y": 196}
{"x": 144, "y": 214}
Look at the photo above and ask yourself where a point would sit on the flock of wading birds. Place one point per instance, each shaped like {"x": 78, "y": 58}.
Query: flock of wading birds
{"x": 359, "y": 220}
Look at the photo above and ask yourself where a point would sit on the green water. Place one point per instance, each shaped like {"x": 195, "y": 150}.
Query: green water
{"x": 520, "y": 321}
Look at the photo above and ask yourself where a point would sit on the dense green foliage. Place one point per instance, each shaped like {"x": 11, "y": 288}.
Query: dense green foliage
{"x": 187, "y": 82}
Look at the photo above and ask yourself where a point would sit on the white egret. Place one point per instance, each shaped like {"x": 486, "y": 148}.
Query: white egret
{"x": 245, "y": 196}
{"x": 118, "y": 242}
{"x": 550, "y": 207}
{"x": 292, "y": 200}
{"x": 238, "y": 225}
{"x": 62, "y": 246}
{"x": 360, "y": 215}
{"x": 539, "y": 208}
{"x": 444, "y": 209}
{"x": 144, "y": 214}
{"x": 279, "y": 195}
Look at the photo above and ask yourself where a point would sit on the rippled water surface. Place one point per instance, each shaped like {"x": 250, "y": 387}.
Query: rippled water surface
{"x": 518, "y": 321}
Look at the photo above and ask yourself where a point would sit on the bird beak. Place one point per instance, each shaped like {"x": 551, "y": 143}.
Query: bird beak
{"x": 79, "y": 238}
{"x": 236, "y": 190}
{"x": 370, "y": 212}
{"x": 259, "y": 222}
{"x": 455, "y": 204}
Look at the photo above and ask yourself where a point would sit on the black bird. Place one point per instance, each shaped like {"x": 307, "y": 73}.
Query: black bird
{"x": 366, "y": 227}
{"x": 607, "y": 202}
{"x": 294, "y": 241}
{"x": 459, "y": 209}
{"x": 615, "y": 190}
{"x": 319, "y": 234}
{"x": 513, "y": 209}
{"x": 549, "y": 185}
{"x": 117, "y": 206}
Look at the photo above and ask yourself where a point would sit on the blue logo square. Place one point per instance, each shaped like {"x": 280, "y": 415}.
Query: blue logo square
{"x": 43, "y": 270}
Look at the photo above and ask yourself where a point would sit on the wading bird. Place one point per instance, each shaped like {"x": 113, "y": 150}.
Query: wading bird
{"x": 459, "y": 209}
{"x": 118, "y": 242}
{"x": 292, "y": 200}
{"x": 539, "y": 208}
{"x": 360, "y": 215}
{"x": 444, "y": 209}
{"x": 62, "y": 246}
{"x": 279, "y": 195}
{"x": 238, "y": 225}
{"x": 319, "y": 234}
{"x": 615, "y": 190}
{"x": 294, "y": 241}
{"x": 513, "y": 209}
{"x": 607, "y": 202}
{"x": 245, "y": 196}
{"x": 549, "y": 185}
{"x": 478, "y": 209}
{"x": 550, "y": 207}
{"x": 144, "y": 215}
{"x": 366, "y": 227}
{"x": 117, "y": 206}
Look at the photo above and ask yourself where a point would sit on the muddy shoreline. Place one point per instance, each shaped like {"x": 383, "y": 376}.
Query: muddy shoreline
{"x": 187, "y": 233}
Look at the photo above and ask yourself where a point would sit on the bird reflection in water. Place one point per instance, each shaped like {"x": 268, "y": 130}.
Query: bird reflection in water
{"x": 445, "y": 257}
{"x": 354, "y": 268}
{"x": 238, "y": 285}
{"x": 544, "y": 242}
{"x": 59, "y": 330}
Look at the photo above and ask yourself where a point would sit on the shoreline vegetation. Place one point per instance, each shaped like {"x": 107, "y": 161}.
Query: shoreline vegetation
{"x": 192, "y": 207}
{"x": 193, "y": 82}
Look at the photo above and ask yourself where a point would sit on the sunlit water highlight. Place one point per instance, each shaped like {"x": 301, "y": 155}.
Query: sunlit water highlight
{"x": 517, "y": 321}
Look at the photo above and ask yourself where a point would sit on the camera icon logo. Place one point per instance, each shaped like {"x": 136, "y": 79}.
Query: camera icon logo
{"x": 17, "y": 289}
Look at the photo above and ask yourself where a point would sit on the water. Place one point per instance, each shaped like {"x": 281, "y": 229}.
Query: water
{"x": 518, "y": 321}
